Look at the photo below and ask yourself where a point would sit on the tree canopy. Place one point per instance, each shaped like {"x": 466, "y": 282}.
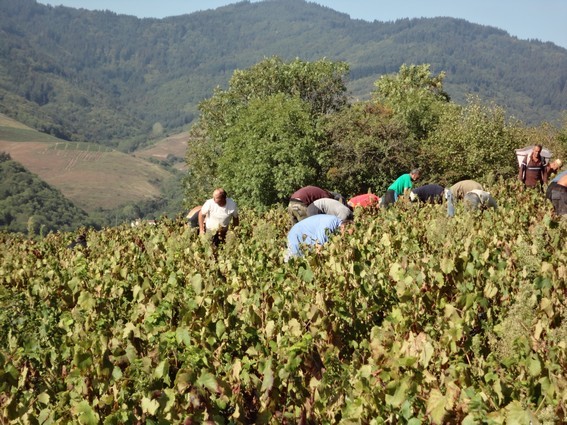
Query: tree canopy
{"x": 259, "y": 137}
{"x": 280, "y": 126}
{"x": 415, "y": 96}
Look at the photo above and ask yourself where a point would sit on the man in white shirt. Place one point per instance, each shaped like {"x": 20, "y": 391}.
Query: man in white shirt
{"x": 216, "y": 215}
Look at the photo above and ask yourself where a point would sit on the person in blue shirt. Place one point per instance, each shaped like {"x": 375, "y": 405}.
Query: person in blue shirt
{"x": 312, "y": 231}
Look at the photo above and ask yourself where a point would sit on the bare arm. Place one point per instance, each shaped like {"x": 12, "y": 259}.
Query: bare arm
{"x": 201, "y": 223}
{"x": 521, "y": 170}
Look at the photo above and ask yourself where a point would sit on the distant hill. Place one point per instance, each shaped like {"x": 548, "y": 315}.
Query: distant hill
{"x": 29, "y": 205}
{"x": 91, "y": 176}
{"x": 170, "y": 150}
{"x": 115, "y": 79}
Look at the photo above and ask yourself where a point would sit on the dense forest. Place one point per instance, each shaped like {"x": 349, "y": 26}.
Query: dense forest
{"x": 119, "y": 80}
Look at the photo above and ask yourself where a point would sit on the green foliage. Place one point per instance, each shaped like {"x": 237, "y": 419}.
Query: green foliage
{"x": 475, "y": 141}
{"x": 202, "y": 157}
{"x": 320, "y": 84}
{"x": 412, "y": 318}
{"x": 261, "y": 147}
{"x": 270, "y": 151}
{"x": 365, "y": 149}
{"x": 415, "y": 96}
{"x": 29, "y": 205}
{"x": 269, "y": 110}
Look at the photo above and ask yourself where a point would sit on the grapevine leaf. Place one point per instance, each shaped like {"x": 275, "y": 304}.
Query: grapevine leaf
{"x": 447, "y": 265}
{"x": 183, "y": 381}
{"x": 182, "y": 336}
{"x": 43, "y": 398}
{"x": 396, "y": 272}
{"x": 86, "y": 300}
{"x": 516, "y": 414}
{"x": 162, "y": 371}
{"x": 294, "y": 327}
{"x": 86, "y": 413}
{"x": 270, "y": 325}
{"x": 268, "y": 380}
{"x": 353, "y": 410}
{"x": 436, "y": 406}
{"x": 399, "y": 396}
{"x": 220, "y": 328}
{"x": 149, "y": 406}
{"x": 207, "y": 380}
{"x": 534, "y": 366}
{"x": 197, "y": 283}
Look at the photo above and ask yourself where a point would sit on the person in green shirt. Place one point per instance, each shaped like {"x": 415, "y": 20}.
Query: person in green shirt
{"x": 400, "y": 187}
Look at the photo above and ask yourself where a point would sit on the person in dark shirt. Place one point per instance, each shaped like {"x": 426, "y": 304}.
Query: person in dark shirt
{"x": 553, "y": 182}
{"x": 301, "y": 199}
{"x": 434, "y": 194}
{"x": 430, "y": 193}
{"x": 534, "y": 170}
{"x": 558, "y": 195}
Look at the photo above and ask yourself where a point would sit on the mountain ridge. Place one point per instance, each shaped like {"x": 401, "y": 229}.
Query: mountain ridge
{"x": 109, "y": 78}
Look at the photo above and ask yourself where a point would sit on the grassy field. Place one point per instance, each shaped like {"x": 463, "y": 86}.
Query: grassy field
{"x": 90, "y": 175}
{"x": 175, "y": 145}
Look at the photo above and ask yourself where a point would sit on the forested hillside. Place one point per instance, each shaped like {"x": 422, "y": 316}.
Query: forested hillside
{"x": 119, "y": 80}
{"x": 29, "y": 205}
{"x": 111, "y": 186}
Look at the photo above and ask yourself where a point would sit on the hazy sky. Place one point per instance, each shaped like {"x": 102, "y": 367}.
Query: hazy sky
{"x": 544, "y": 20}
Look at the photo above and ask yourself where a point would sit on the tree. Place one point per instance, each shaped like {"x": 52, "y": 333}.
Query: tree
{"x": 319, "y": 85}
{"x": 415, "y": 96}
{"x": 366, "y": 149}
{"x": 203, "y": 153}
{"x": 473, "y": 141}
{"x": 270, "y": 151}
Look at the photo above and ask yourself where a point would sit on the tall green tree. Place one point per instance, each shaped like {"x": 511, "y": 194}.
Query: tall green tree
{"x": 270, "y": 151}
{"x": 473, "y": 141}
{"x": 366, "y": 149}
{"x": 415, "y": 96}
{"x": 319, "y": 85}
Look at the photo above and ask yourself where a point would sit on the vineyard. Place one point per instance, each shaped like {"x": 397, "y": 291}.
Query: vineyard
{"x": 92, "y": 176}
{"x": 414, "y": 318}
